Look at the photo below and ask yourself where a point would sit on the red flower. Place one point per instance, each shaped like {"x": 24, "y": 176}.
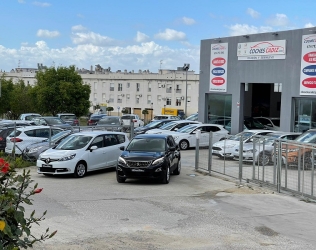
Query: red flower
{"x": 38, "y": 190}
{"x": 1, "y": 161}
{"x": 5, "y": 168}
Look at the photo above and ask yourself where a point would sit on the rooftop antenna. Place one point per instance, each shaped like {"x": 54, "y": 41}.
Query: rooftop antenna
{"x": 19, "y": 63}
{"x": 160, "y": 63}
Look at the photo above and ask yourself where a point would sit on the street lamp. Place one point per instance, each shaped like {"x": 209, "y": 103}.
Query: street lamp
{"x": 186, "y": 67}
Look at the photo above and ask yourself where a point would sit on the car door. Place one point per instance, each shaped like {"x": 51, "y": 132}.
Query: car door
{"x": 112, "y": 148}
{"x": 97, "y": 158}
{"x": 205, "y": 135}
{"x": 173, "y": 155}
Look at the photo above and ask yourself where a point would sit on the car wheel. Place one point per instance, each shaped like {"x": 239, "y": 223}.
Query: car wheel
{"x": 80, "y": 170}
{"x": 184, "y": 145}
{"x": 263, "y": 159}
{"x": 120, "y": 179}
{"x": 166, "y": 176}
{"x": 178, "y": 169}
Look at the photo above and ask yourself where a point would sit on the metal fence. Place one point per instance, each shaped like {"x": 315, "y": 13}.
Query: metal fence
{"x": 284, "y": 165}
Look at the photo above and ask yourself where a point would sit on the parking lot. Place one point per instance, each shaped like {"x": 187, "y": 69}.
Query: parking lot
{"x": 194, "y": 211}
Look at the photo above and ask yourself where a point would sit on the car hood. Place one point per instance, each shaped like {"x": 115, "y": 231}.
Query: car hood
{"x": 226, "y": 143}
{"x": 39, "y": 144}
{"x": 156, "y": 130}
{"x": 56, "y": 154}
{"x": 141, "y": 155}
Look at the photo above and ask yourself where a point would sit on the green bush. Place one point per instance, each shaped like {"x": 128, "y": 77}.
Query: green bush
{"x": 15, "y": 190}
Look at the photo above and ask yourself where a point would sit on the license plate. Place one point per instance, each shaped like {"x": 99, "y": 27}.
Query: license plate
{"x": 47, "y": 166}
{"x": 137, "y": 170}
{"x": 215, "y": 152}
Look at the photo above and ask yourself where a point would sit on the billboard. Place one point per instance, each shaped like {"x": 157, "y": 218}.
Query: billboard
{"x": 218, "y": 75}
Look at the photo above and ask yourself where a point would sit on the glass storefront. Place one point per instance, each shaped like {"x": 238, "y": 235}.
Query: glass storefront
{"x": 219, "y": 109}
{"x": 304, "y": 114}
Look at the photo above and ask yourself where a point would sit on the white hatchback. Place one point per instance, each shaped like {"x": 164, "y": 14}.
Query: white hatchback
{"x": 134, "y": 118}
{"x": 82, "y": 152}
{"x": 18, "y": 140}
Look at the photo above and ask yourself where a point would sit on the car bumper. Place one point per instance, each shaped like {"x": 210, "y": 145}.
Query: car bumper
{"x": 223, "y": 153}
{"x": 56, "y": 167}
{"x": 140, "y": 173}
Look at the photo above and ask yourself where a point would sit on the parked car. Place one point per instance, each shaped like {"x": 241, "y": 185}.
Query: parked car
{"x": 149, "y": 156}
{"x": 186, "y": 136}
{"x": 151, "y": 125}
{"x": 82, "y": 152}
{"x": 93, "y": 120}
{"x": 193, "y": 117}
{"x": 19, "y": 139}
{"x": 52, "y": 121}
{"x": 69, "y": 118}
{"x": 4, "y": 132}
{"x": 131, "y": 117}
{"x": 111, "y": 123}
{"x": 12, "y": 123}
{"x": 262, "y": 150}
{"x": 171, "y": 126}
{"x": 250, "y": 123}
{"x": 163, "y": 117}
{"x": 272, "y": 123}
{"x": 28, "y": 116}
{"x": 226, "y": 148}
{"x": 32, "y": 151}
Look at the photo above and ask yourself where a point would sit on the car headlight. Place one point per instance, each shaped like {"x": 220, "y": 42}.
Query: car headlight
{"x": 229, "y": 146}
{"x": 158, "y": 161}
{"x": 250, "y": 151}
{"x": 121, "y": 160}
{"x": 68, "y": 157}
{"x": 32, "y": 150}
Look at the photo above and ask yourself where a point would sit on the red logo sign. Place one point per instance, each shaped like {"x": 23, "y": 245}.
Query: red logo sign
{"x": 310, "y": 57}
{"x": 309, "y": 82}
{"x": 220, "y": 81}
{"x": 218, "y": 61}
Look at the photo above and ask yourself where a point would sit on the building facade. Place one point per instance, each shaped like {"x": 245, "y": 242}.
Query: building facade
{"x": 165, "y": 92}
{"x": 268, "y": 74}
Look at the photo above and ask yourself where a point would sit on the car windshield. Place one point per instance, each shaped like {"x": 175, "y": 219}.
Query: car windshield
{"x": 309, "y": 137}
{"x": 128, "y": 117}
{"x": 246, "y": 135}
{"x": 68, "y": 117}
{"x": 187, "y": 129}
{"x": 147, "y": 144}
{"x": 252, "y": 123}
{"x": 152, "y": 124}
{"x": 54, "y": 121}
{"x": 74, "y": 142}
{"x": 59, "y": 135}
{"x": 109, "y": 121}
{"x": 192, "y": 117}
{"x": 168, "y": 125}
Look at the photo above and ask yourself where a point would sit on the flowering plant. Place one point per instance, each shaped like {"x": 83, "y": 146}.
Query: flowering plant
{"x": 15, "y": 227}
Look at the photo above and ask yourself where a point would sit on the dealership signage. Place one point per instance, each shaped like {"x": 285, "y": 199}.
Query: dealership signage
{"x": 218, "y": 76}
{"x": 308, "y": 65}
{"x": 264, "y": 50}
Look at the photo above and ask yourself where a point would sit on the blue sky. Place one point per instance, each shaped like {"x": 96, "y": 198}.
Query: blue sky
{"x": 134, "y": 34}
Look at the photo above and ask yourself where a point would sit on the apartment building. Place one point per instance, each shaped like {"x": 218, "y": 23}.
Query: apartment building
{"x": 165, "y": 92}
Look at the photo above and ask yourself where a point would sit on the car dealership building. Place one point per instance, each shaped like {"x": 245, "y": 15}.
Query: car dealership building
{"x": 269, "y": 74}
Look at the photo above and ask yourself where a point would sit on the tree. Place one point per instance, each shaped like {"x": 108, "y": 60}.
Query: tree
{"x": 145, "y": 113}
{"x": 15, "y": 227}
{"x": 124, "y": 111}
{"x": 61, "y": 90}
{"x": 109, "y": 109}
{"x": 7, "y": 87}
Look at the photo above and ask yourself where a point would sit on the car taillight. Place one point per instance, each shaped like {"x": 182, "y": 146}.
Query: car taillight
{"x": 1, "y": 139}
{"x": 134, "y": 120}
{"x": 76, "y": 121}
{"x": 14, "y": 139}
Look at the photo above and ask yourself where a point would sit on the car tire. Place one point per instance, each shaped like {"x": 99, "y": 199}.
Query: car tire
{"x": 184, "y": 145}
{"x": 80, "y": 170}
{"x": 119, "y": 178}
{"x": 263, "y": 159}
{"x": 165, "y": 176}
{"x": 178, "y": 169}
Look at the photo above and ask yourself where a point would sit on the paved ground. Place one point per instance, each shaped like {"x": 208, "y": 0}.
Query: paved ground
{"x": 194, "y": 211}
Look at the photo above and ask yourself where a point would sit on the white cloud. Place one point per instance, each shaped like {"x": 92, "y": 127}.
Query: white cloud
{"x": 78, "y": 28}
{"x": 309, "y": 25}
{"x": 244, "y": 29}
{"x": 47, "y": 33}
{"x": 92, "y": 38}
{"x": 42, "y": 4}
{"x": 278, "y": 20}
{"x": 188, "y": 21}
{"x": 253, "y": 13}
{"x": 171, "y": 35}
{"x": 141, "y": 37}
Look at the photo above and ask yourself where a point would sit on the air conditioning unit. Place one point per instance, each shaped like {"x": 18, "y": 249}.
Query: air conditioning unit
{"x": 162, "y": 86}
{"x": 182, "y": 97}
{"x": 140, "y": 95}
{"x": 122, "y": 95}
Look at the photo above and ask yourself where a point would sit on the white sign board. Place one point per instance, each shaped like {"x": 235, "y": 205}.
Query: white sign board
{"x": 264, "y": 50}
{"x": 218, "y": 75}
{"x": 308, "y": 65}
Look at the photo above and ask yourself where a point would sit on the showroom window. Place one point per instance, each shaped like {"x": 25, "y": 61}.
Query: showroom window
{"x": 219, "y": 108}
{"x": 304, "y": 114}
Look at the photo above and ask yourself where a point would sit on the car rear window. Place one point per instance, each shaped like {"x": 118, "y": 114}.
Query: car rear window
{"x": 128, "y": 117}
{"x": 68, "y": 117}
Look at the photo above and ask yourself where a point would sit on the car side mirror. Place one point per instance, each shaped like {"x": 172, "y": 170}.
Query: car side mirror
{"x": 93, "y": 148}
{"x": 122, "y": 148}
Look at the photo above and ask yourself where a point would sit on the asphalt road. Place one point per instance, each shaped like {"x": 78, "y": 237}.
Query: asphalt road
{"x": 194, "y": 211}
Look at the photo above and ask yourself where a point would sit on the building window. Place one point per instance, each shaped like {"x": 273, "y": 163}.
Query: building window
{"x": 111, "y": 86}
{"x": 95, "y": 96}
{"x": 178, "y": 89}
{"x": 128, "y": 96}
{"x": 128, "y": 85}
{"x": 119, "y": 99}
{"x": 189, "y": 86}
{"x": 103, "y": 96}
{"x": 169, "y": 88}
{"x": 95, "y": 85}
{"x": 120, "y": 87}
{"x": 103, "y": 85}
{"x": 137, "y": 87}
{"x": 159, "y": 98}
{"x": 178, "y": 101}
{"x": 149, "y": 99}
{"x": 149, "y": 87}
{"x": 168, "y": 101}
{"x": 111, "y": 98}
